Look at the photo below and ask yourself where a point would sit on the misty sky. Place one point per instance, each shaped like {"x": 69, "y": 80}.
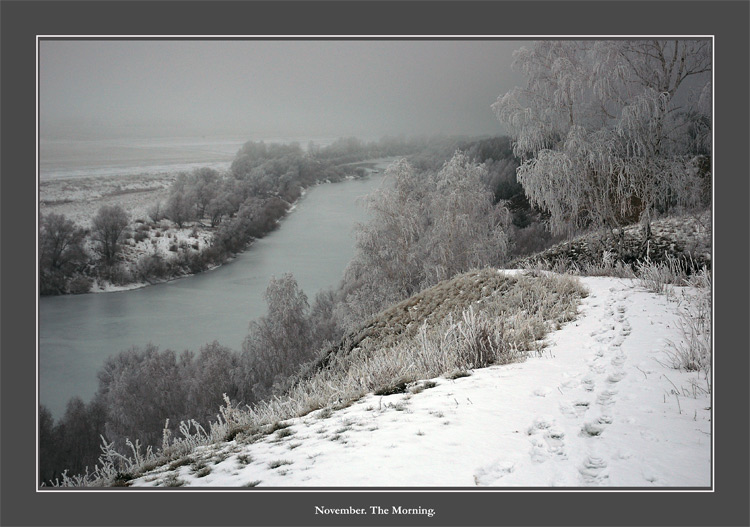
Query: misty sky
{"x": 272, "y": 88}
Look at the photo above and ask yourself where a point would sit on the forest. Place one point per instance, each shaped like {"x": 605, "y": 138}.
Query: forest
{"x": 604, "y": 135}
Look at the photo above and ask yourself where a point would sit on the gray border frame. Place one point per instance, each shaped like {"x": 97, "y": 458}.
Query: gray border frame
{"x": 22, "y": 21}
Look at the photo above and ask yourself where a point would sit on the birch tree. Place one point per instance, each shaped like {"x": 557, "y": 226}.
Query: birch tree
{"x": 389, "y": 251}
{"x": 468, "y": 230}
{"x": 606, "y": 130}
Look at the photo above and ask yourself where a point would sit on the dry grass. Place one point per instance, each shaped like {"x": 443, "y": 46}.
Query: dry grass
{"x": 505, "y": 319}
{"x": 693, "y": 352}
{"x": 658, "y": 276}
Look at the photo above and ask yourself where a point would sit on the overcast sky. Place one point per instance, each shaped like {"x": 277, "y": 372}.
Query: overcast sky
{"x": 272, "y": 88}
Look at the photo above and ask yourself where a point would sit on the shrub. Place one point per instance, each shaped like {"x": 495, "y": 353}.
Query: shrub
{"x": 80, "y": 285}
{"x": 398, "y": 387}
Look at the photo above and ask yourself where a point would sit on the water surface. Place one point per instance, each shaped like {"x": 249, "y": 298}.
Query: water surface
{"x": 315, "y": 242}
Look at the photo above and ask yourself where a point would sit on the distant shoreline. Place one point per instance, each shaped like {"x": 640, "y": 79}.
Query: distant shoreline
{"x": 79, "y": 199}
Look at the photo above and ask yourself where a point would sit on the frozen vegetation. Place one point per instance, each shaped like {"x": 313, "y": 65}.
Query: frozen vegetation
{"x": 431, "y": 363}
{"x": 602, "y": 404}
{"x": 617, "y": 393}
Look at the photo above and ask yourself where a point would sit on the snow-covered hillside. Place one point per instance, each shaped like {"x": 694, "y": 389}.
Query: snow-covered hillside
{"x": 601, "y": 406}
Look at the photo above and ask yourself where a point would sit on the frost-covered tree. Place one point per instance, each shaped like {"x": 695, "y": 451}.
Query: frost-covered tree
{"x": 61, "y": 252}
{"x": 48, "y": 447}
{"x": 423, "y": 228}
{"x": 603, "y": 127}
{"x": 141, "y": 388}
{"x": 218, "y": 208}
{"x": 391, "y": 242}
{"x": 323, "y": 325}
{"x": 60, "y": 242}
{"x": 107, "y": 230}
{"x": 202, "y": 186}
{"x": 180, "y": 204}
{"x": 468, "y": 229}
{"x": 388, "y": 262}
{"x": 208, "y": 376}
{"x": 279, "y": 342}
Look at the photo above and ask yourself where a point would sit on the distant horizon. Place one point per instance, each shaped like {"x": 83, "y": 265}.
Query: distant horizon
{"x": 74, "y": 157}
{"x": 253, "y": 136}
{"x": 288, "y": 88}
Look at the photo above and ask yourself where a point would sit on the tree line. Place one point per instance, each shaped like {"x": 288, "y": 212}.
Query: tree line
{"x": 238, "y": 206}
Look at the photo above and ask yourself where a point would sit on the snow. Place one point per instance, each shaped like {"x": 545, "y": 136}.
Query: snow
{"x": 106, "y": 287}
{"x": 79, "y": 199}
{"x": 600, "y": 406}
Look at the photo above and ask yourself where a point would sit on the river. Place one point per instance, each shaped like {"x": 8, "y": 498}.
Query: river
{"x": 78, "y": 332}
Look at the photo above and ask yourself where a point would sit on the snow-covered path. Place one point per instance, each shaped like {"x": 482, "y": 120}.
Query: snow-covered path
{"x": 599, "y": 408}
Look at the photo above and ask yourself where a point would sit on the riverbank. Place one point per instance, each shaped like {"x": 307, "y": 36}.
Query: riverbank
{"x": 79, "y": 200}
{"x": 153, "y": 250}
{"x": 78, "y": 332}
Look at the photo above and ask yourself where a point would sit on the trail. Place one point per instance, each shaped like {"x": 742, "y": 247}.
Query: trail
{"x": 599, "y": 407}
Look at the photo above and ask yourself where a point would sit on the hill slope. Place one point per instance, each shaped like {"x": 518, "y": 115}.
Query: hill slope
{"x": 684, "y": 238}
{"x": 601, "y": 406}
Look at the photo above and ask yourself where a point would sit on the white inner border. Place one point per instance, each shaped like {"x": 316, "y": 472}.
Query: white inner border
{"x": 302, "y": 38}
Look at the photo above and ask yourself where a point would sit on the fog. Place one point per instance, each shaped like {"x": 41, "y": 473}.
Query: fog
{"x": 271, "y": 88}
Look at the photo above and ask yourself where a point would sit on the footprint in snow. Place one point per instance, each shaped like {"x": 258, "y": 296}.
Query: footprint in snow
{"x": 606, "y": 397}
{"x": 542, "y": 391}
{"x": 653, "y": 477}
{"x": 575, "y": 410}
{"x": 547, "y": 439}
{"x": 555, "y": 439}
{"x": 616, "y": 376}
{"x": 541, "y": 422}
{"x": 538, "y": 451}
{"x": 492, "y": 474}
{"x": 593, "y": 428}
{"x": 592, "y": 470}
{"x": 619, "y": 359}
{"x": 550, "y": 444}
{"x": 588, "y": 384}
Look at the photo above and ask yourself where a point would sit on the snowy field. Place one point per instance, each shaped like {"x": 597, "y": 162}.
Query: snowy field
{"x": 600, "y": 407}
{"x": 79, "y": 199}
